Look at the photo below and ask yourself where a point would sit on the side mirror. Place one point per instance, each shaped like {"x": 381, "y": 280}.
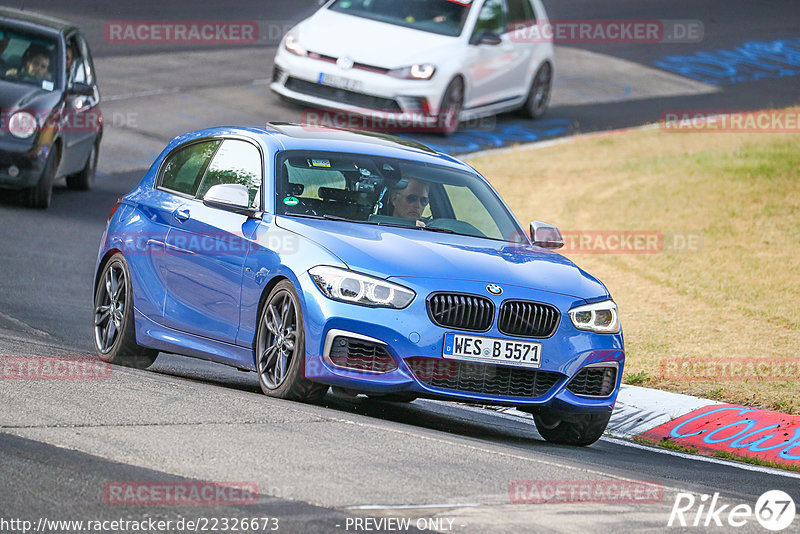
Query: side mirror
{"x": 486, "y": 38}
{"x": 546, "y": 235}
{"x": 229, "y": 197}
{"x": 81, "y": 89}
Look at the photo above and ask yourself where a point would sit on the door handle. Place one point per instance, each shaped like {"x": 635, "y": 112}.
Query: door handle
{"x": 181, "y": 214}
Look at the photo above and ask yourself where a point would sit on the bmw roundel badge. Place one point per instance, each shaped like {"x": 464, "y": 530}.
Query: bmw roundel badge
{"x": 494, "y": 289}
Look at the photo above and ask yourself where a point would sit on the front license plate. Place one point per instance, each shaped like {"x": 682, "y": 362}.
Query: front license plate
{"x": 340, "y": 82}
{"x": 490, "y": 349}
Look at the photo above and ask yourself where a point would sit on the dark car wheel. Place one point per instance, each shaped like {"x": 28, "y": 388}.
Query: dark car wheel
{"x": 449, "y": 111}
{"x": 582, "y": 430}
{"x": 39, "y": 195}
{"x": 539, "y": 94}
{"x": 84, "y": 179}
{"x": 281, "y": 350}
{"x": 114, "y": 331}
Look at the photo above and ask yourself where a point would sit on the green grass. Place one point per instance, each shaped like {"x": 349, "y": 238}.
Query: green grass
{"x": 667, "y": 443}
{"x": 737, "y": 297}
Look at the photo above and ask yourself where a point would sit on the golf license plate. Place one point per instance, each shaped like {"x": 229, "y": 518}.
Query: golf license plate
{"x": 490, "y": 349}
{"x": 340, "y": 82}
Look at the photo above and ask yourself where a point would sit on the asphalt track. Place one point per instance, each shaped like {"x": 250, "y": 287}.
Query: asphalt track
{"x": 317, "y": 466}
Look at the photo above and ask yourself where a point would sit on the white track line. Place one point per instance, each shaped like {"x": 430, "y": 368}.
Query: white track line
{"x": 703, "y": 458}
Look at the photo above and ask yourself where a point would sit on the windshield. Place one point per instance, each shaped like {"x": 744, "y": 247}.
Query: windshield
{"x": 445, "y": 17}
{"x": 28, "y": 58}
{"x": 385, "y": 191}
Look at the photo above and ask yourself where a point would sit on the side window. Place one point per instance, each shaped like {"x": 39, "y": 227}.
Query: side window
{"x": 184, "y": 169}
{"x": 77, "y": 69}
{"x": 87, "y": 60}
{"x": 236, "y": 162}
{"x": 491, "y": 19}
{"x": 520, "y": 14}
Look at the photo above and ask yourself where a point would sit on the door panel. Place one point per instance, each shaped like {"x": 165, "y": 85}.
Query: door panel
{"x": 207, "y": 248}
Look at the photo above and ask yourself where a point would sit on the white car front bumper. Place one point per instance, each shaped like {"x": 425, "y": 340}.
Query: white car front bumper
{"x": 356, "y": 92}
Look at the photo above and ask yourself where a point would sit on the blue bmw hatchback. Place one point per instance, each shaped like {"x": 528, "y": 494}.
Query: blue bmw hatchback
{"x": 320, "y": 257}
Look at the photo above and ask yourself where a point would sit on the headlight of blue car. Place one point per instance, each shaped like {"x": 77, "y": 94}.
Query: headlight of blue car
{"x": 600, "y": 317}
{"x": 348, "y": 286}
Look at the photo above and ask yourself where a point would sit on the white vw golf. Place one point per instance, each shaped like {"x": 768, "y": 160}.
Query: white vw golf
{"x": 419, "y": 63}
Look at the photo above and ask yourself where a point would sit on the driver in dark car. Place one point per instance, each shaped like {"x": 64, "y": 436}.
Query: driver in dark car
{"x": 35, "y": 64}
{"x": 411, "y": 201}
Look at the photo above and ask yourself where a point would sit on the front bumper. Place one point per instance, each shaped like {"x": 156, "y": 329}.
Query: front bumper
{"x": 411, "y": 339}
{"x": 20, "y": 164}
{"x": 379, "y": 97}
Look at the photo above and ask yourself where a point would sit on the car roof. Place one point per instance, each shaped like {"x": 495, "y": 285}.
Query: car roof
{"x": 293, "y": 136}
{"x": 30, "y": 18}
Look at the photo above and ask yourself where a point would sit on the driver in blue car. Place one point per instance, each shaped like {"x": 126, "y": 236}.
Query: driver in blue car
{"x": 410, "y": 202}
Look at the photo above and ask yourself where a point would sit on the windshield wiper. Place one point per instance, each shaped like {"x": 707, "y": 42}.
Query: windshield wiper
{"x": 325, "y": 217}
{"x": 437, "y": 229}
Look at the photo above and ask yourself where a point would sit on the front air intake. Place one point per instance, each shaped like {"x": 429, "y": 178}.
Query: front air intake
{"x": 360, "y": 355}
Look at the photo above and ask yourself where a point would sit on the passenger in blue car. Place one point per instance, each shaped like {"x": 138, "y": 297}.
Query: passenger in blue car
{"x": 411, "y": 201}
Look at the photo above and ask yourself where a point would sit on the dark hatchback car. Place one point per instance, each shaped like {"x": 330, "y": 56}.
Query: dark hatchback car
{"x": 50, "y": 122}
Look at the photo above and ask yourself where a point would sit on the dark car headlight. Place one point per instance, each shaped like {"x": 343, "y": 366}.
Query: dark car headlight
{"x": 22, "y": 125}
{"x": 355, "y": 288}
{"x": 600, "y": 317}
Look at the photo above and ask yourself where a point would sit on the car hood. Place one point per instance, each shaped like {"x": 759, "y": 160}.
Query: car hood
{"x": 371, "y": 42}
{"x": 389, "y": 252}
{"x": 15, "y": 96}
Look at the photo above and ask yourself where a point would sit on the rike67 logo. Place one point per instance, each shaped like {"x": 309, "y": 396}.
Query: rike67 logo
{"x": 774, "y": 510}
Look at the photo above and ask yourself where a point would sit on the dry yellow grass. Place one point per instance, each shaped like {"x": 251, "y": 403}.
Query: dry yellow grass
{"x": 737, "y": 298}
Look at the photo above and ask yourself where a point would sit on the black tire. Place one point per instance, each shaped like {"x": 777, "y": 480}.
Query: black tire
{"x": 393, "y": 397}
{"x": 114, "y": 330}
{"x": 83, "y": 180}
{"x": 39, "y": 195}
{"x": 280, "y": 348}
{"x": 539, "y": 93}
{"x": 579, "y": 430}
{"x": 450, "y": 108}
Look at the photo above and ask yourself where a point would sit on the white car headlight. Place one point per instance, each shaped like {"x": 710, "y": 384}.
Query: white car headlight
{"x": 423, "y": 71}
{"x": 355, "y": 288}
{"x": 600, "y": 317}
{"x": 22, "y": 124}
{"x": 293, "y": 45}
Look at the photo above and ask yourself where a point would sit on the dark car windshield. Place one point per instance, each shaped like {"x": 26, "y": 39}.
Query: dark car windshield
{"x": 29, "y": 58}
{"x": 391, "y": 192}
{"x": 445, "y": 17}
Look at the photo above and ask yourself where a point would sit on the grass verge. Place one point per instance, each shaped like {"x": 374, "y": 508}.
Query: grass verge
{"x": 732, "y": 297}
